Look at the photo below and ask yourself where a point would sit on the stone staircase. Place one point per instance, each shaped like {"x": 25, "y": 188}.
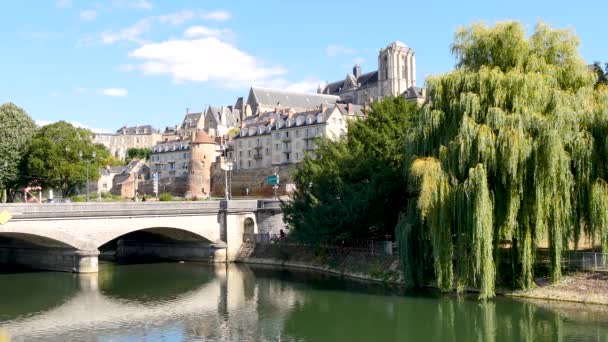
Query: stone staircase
{"x": 246, "y": 250}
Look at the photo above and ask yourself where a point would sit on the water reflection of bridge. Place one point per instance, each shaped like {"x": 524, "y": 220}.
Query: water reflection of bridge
{"x": 109, "y": 301}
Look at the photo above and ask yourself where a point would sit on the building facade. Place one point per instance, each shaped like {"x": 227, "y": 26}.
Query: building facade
{"x": 284, "y": 137}
{"x": 128, "y": 137}
{"x": 395, "y": 76}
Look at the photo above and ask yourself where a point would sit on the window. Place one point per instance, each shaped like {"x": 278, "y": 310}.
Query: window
{"x": 249, "y": 143}
{"x": 297, "y": 156}
{"x": 297, "y": 133}
{"x": 267, "y": 151}
{"x": 277, "y": 135}
{"x": 249, "y": 153}
{"x": 240, "y": 153}
{"x": 276, "y": 147}
{"x": 249, "y": 163}
{"x": 240, "y": 143}
{"x": 287, "y": 134}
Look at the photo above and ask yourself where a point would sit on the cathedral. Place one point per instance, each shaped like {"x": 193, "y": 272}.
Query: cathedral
{"x": 396, "y": 76}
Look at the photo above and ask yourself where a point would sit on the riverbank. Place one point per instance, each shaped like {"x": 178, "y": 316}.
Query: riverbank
{"x": 584, "y": 287}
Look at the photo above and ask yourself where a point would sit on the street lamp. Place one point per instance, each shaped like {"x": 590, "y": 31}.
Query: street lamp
{"x": 86, "y": 162}
{"x": 228, "y": 167}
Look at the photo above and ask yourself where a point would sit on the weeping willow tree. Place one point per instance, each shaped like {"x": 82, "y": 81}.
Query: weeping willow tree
{"x": 509, "y": 152}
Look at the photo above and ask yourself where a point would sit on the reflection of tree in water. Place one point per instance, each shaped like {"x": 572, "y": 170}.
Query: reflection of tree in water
{"x": 144, "y": 284}
{"x": 332, "y": 316}
{"x": 24, "y": 293}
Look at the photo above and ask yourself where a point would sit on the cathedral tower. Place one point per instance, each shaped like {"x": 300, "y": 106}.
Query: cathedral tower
{"x": 396, "y": 69}
{"x": 202, "y": 154}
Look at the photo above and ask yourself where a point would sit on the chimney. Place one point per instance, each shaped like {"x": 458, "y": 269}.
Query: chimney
{"x": 349, "y": 108}
{"x": 323, "y": 108}
{"x": 357, "y": 70}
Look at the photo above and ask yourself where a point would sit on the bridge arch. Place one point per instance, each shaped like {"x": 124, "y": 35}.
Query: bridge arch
{"x": 53, "y": 238}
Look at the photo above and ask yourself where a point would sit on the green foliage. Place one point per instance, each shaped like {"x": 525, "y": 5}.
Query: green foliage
{"x": 138, "y": 153}
{"x": 165, "y": 197}
{"x": 16, "y": 130}
{"x": 53, "y": 160}
{"x": 602, "y": 74}
{"x": 509, "y": 149}
{"x": 354, "y": 188}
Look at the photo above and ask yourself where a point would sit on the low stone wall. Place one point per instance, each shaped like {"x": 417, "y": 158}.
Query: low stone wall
{"x": 51, "y": 259}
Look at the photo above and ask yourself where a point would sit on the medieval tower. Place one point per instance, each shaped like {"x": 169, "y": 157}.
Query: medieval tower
{"x": 396, "y": 69}
{"x": 202, "y": 154}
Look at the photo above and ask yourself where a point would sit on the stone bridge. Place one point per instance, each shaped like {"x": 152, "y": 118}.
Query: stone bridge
{"x": 68, "y": 237}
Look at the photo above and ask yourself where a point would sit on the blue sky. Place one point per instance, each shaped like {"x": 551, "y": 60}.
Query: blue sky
{"x": 104, "y": 64}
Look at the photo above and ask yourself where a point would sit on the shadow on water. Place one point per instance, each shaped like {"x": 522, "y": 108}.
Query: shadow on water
{"x": 151, "y": 283}
{"x": 27, "y": 292}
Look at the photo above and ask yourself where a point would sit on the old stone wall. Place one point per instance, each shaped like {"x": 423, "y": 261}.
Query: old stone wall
{"x": 252, "y": 179}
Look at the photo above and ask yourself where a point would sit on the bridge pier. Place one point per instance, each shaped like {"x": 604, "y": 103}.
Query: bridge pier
{"x": 51, "y": 259}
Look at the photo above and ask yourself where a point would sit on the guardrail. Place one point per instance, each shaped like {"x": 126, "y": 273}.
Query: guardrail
{"x": 370, "y": 247}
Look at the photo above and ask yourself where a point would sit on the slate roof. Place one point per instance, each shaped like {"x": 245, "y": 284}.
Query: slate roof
{"x": 191, "y": 120}
{"x": 288, "y": 99}
{"x": 144, "y": 129}
{"x": 413, "y": 92}
{"x": 363, "y": 81}
{"x": 231, "y": 115}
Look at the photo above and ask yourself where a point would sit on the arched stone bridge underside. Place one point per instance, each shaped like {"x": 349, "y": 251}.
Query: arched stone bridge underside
{"x": 67, "y": 237}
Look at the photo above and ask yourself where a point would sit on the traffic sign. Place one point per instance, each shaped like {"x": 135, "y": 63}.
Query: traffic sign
{"x": 272, "y": 180}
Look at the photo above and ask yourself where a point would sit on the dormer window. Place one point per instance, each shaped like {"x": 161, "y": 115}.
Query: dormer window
{"x": 320, "y": 118}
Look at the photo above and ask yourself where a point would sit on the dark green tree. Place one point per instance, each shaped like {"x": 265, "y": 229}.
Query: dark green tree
{"x": 56, "y": 157}
{"x": 602, "y": 74}
{"x": 138, "y": 153}
{"x": 354, "y": 188}
{"x": 16, "y": 129}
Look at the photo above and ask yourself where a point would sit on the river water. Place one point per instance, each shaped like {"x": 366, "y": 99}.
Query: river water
{"x": 197, "y": 302}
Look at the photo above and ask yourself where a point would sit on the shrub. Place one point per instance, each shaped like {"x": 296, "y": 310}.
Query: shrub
{"x": 165, "y": 196}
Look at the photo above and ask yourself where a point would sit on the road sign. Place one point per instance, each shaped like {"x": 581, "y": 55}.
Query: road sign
{"x": 272, "y": 180}
{"x": 5, "y": 217}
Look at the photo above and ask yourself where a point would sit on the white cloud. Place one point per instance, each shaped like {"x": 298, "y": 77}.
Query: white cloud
{"x": 334, "y": 50}
{"x": 41, "y": 123}
{"x": 308, "y": 85}
{"x": 63, "y": 3}
{"x": 88, "y": 15}
{"x": 203, "y": 31}
{"x": 219, "y": 15}
{"x": 114, "y": 92}
{"x": 55, "y": 93}
{"x": 80, "y": 90}
{"x": 130, "y": 34}
{"x": 202, "y": 60}
{"x": 134, "y": 32}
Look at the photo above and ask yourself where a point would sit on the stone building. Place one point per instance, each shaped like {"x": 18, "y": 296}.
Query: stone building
{"x": 219, "y": 120}
{"x": 264, "y": 100}
{"x": 283, "y": 137}
{"x": 128, "y": 137}
{"x": 171, "y": 158}
{"x": 395, "y": 76}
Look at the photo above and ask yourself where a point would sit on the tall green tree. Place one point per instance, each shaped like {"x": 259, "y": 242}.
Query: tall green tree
{"x": 58, "y": 154}
{"x": 16, "y": 129}
{"x": 354, "y": 188}
{"x": 508, "y": 153}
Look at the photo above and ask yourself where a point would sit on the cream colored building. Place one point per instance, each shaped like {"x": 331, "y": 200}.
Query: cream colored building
{"x": 128, "y": 137}
{"x": 170, "y": 158}
{"x": 284, "y": 137}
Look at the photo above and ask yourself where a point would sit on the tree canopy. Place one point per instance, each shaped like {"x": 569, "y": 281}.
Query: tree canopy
{"x": 138, "y": 153}
{"x": 354, "y": 188}
{"x": 54, "y": 158}
{"x": 508, "y": 153}
{"x": 16, "y": 129}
